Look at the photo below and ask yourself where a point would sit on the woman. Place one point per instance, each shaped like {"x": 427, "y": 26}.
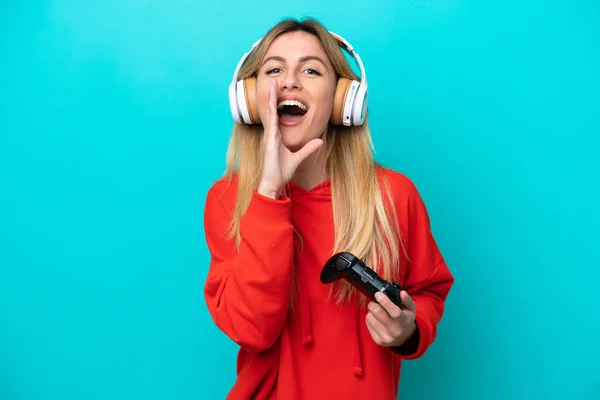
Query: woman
{"x": 301, "y": 184}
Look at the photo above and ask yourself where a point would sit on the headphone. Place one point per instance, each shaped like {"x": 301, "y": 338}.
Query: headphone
{"x": 349, "y": 104}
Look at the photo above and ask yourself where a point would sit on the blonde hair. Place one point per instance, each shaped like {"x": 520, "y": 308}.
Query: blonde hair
{"x": 365, "y": 224}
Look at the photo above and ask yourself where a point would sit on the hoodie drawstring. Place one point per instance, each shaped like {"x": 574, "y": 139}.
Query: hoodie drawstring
{"x": 305, "y": 317}
{"x": 307, "y": 338}
{"x": 357, "y": 368}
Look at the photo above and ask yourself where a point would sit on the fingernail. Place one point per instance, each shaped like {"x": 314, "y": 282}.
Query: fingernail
{"x": 378, "y": 296}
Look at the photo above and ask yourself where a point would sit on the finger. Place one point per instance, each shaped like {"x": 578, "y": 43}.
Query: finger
{"x": 384, "y": 338}
{"x": 376, "y": 338}
{"x": 408, "y": 302}
{"x": 309, "y": 148}
{"x": 392, "y": 309}
{"x": 392, "y": 327}
{"x": 273, "y": 117}
{"x": 380, "y": 313}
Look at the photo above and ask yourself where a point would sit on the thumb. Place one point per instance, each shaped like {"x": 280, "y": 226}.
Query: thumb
{"x": 308, "y": 149}
{"x": 408, "y": 302}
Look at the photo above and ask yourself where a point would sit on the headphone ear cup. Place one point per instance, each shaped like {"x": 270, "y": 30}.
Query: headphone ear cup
{"x": 250, "y": 94}
{"x": 241, "y": 101}
{"x": 339, "y": 101}
{"x": 235, "y": 113}
{"x": 360, "y": 106}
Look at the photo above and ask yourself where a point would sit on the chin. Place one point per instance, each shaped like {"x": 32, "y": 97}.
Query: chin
{"x": 293, "y": 145}
{"x": 293, "y": 138}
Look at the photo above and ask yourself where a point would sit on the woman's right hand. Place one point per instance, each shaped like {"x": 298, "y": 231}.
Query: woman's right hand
{"x": 279, "y": 164}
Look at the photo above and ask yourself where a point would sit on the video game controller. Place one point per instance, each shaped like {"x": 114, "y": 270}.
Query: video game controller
{"x": 347, "y": 266}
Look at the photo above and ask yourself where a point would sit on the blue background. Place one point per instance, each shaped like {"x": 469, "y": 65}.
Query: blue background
{"x": 114, "y": 120}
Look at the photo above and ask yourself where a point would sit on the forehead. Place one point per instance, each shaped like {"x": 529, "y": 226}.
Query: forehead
{"x": 293, "y": 45}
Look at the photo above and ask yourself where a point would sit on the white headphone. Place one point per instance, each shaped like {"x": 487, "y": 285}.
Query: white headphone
{"x": 349, "y": 105}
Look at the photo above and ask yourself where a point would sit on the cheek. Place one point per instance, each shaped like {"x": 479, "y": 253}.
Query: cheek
{"x": 325, "y": 101}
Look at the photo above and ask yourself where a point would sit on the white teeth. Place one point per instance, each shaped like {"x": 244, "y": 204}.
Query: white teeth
{"x": 292, "y": 103}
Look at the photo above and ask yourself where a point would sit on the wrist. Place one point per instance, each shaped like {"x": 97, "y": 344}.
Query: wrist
{"x": 411, "y": 332}
{"x": 269, "y": 192}
{"x": 411, "y": 343}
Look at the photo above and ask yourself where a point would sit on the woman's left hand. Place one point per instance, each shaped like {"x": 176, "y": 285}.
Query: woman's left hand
{"x": 388, "y": 324}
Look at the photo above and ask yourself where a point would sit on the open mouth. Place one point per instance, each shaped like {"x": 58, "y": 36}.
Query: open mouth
{"x": 291, "y": 112}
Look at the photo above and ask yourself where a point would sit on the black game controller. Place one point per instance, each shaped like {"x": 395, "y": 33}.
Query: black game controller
{"x": 349, "y": 267}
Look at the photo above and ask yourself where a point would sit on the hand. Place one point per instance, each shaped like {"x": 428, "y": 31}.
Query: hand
{"x": 388, "y": 324}
{"x": 279, "y": 164}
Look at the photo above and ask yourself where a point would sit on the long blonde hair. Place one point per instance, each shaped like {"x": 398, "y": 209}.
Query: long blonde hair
{"x": 365, "y": 224}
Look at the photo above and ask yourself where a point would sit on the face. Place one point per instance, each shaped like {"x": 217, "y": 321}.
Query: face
{"x": 306, "y": 83}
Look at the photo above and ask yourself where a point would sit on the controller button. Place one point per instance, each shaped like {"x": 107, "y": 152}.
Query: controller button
{"x": 367, "y": 276}
{"x": 342, "y": 264}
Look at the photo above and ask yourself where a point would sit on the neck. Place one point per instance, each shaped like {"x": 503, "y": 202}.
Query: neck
{"x": 311, "y": 171}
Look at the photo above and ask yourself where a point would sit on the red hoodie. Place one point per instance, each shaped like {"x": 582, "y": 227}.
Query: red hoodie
{"x": 314, "y": 349}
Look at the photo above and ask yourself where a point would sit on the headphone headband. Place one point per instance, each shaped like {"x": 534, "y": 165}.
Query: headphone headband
{"x": 350, "y": 50}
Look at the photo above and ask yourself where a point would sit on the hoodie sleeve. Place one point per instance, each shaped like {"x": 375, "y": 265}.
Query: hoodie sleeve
{"x": 248, "y": 291}
{"x": 428, "y": 279}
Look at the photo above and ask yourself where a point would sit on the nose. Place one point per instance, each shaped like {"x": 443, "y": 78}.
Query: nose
{"x": 290, "y": 81}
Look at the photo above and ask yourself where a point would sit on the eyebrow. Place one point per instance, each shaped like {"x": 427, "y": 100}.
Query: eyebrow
{"x": 303, "y": 59}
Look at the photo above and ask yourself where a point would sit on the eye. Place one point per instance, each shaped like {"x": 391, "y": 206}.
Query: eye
{"x": 273, "y": 71}
{"x": 313, "y": 71}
